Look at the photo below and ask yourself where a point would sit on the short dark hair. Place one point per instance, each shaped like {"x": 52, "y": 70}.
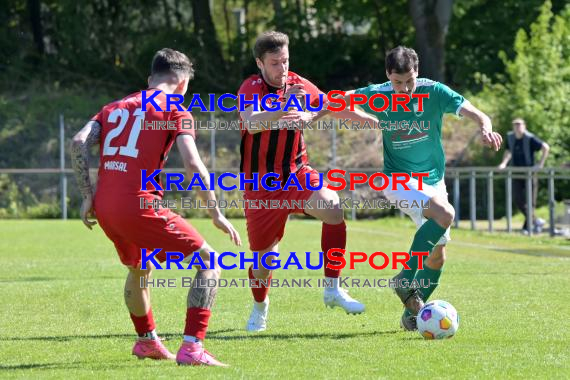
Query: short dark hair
{"x": 401, "y": 60}
{"x": 269, "y": 42}
{"x": 170, "y": 61}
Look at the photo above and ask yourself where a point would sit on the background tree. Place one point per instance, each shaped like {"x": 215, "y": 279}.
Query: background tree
{"x": 431, "y": 20}
{"x": 71, "y": 57}
{"x": 479, "y": 30}
{"x": 536, "y": 83}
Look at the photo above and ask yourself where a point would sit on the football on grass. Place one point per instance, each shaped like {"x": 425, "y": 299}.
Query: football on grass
{"x": 438, "y": 320}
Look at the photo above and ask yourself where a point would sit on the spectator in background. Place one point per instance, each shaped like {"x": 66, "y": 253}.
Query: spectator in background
{"x": 521, "y": 146}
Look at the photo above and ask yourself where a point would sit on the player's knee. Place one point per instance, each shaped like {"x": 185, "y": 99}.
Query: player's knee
{"x": 333, "y": 213}
{"x": 335, "y": 216}
{"x": 208, "y": 256}
{"x": 449, "y": 215}
{"x": 214, "y": 273}
{"x": 138, "y": 272}
{"x": 445, "y": 216}
{"x": 262, "y": 273}
{"x": 217, "y": 270}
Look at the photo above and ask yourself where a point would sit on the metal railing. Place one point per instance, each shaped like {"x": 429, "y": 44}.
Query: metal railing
{"x": 453, "y": 175}
{"x": 492, "y": 174}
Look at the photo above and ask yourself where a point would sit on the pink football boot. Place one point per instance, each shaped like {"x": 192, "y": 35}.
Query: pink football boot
{"x": 195, "y": 354}
{"x": 152, "y": 349}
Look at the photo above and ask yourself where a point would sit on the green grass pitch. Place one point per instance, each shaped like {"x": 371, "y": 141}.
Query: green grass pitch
{"x": 62, "y": 314}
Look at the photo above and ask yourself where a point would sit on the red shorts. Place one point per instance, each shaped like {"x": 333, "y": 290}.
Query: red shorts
{"x": 132, "y": 228}
{"x": 267, "y": 225}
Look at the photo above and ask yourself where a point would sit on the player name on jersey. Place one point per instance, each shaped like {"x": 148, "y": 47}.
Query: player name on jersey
{"x": 115, "y": 165}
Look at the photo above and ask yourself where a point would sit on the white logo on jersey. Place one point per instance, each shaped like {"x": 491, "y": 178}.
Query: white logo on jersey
{"x": 418, "y": 114}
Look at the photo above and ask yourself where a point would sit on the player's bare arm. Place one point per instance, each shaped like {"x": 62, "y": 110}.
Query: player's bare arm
{"x": 82, "y": 142}
{"x": 193, "y": 164}
{"x": 253, "y": 118}
{"x": 490, "y": 138}
{"x": 356, "y": 115}
{"x": 87, "y": 137}
{"x": 347, "y": 95}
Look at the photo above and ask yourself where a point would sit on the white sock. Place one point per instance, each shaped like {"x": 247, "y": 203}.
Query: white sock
{"x": 150, "y": 335}
{"x": 192, "y": 339}
{"x": 261, "y": 306}
{"x": 334, "y": 286}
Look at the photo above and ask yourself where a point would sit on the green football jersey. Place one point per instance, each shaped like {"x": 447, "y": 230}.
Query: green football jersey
{"x": 412, "y": 140}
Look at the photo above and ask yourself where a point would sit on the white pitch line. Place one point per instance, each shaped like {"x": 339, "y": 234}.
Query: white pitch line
{"x": 461, "y": 243}
{"x": 453, "y": 242}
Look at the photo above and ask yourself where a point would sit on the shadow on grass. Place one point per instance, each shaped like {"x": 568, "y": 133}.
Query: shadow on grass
{"x": 31, "y": 279}
{"x": 212, "y": 335}
{"x": 4, "y": 367}
{"x": 67, "y": 338}
{"x": 27, "y": 366}
{"x": 262, "y": 335}
{"x": 117, "y": 364}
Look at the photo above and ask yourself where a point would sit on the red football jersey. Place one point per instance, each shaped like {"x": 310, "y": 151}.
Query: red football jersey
{"x": 132, "y": 140}
{"x": 278, "y": 151}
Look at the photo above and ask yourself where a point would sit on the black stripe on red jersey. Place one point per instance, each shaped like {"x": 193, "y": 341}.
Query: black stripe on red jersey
{"x": 253, "y": 159}
{"x": 255, "y": 152}
{"x": 242, "y": 168}
{"x": 299, "y": 159}
{"x": 271, "y": 152}
{"x": 286, "y": 163}
{"x": 242, "y": 152}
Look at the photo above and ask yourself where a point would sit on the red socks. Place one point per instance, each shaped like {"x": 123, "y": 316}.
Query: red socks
{"x": 197, "y": 322}
{"x": 333, "y": 236}
{"x": 259, "y": 294}
{"x": 143, "y": 324}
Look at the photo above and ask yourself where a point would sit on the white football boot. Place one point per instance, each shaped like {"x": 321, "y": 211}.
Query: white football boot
{"x": 258, "y": 317}
{"x": 337, "y": 296}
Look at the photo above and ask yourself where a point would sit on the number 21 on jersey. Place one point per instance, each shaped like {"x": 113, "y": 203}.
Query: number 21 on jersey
{"x": 122, "y": 115}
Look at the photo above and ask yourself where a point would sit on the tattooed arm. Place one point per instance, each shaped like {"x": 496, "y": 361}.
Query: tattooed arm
{"x": 88, "y": 136}
{"x": 193, "y": 164}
